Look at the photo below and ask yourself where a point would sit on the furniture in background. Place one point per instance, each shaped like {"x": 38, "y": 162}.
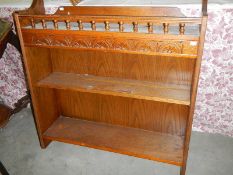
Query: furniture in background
{"x": 7, "y": 36}
{"x": 3, "y": 170}
{"x": 121, "y": 79}
{"x": 5, "y": 113}
{"x": 5, "y": 30}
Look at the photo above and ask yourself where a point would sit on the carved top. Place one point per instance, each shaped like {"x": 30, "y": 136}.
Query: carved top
{"x": 38, "y": 7}
{"x": 75, "y": 2}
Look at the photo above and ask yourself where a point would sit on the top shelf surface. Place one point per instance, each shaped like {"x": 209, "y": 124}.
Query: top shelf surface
{"x": 118, "y": 87}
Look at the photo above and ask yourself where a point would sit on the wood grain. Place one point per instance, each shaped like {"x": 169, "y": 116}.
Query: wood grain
{"x": 131, "y": 141}
{"x": 148, "y": 115}
{"x": 136, "y": 43}
{"x": 160, "y": 69}
{"x": 38, "y": 66}
{"x": 121, "y": 11}
{"x": 194, "y": 87}
{"x": 117, "y": 87}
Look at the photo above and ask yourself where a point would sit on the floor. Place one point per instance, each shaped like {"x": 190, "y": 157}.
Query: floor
{"x": 20, "y": 153}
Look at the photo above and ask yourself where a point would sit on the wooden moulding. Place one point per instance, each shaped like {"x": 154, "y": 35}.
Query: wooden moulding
{"x": 26, "y": 19}
{"x": 133, "y": 11}
{"x": 131, "y": 141}
{"x": 165, "y": 45}
{"x": 118, "y": 87}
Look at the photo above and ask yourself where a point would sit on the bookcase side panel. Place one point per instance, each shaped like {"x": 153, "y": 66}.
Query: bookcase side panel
{"x": 38, "y": 65}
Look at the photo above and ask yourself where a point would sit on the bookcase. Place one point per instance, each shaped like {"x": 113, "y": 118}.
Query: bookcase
{"x": 120, "y": 79}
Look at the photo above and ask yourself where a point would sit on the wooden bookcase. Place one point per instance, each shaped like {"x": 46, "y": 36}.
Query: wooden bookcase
{"x": 121, "y": 79}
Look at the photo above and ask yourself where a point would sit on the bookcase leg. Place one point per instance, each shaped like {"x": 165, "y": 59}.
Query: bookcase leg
{"x": 183, "y": 168}
{"x": 44, "y": 143}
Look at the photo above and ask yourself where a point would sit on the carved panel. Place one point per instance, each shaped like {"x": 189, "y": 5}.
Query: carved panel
{"x": 150, "y": 46}
{"x": 169, "y": 47}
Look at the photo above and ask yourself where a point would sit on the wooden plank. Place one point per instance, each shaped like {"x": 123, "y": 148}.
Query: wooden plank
{"x": 117, "y": 87}
{"x": 134, "y": 11}
{"x": 135, "y": 142}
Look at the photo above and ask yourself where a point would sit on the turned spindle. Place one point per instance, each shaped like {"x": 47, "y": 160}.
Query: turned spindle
{"x": 33, "y": 23}
{"x": 165, "y": 28}
{"x": 93, "y": 26}
{"x": 150, "y": 27}
{"x": 80, "y": 25}
{"x": 121, "y": 27}
{"x": 182, "y": 28}
{"x": 55, "y": 24}
{"x": 107, "y": 26}
{"x": 44, "y": 25}
{"x": 67, "y": 24}
{"x": 135, "y": 26}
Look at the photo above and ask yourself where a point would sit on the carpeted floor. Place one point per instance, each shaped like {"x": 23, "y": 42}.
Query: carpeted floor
{"x": 21, "y": 154}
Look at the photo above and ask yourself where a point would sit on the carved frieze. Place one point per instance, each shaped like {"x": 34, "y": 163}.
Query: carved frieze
{"x": 115, "y": 44}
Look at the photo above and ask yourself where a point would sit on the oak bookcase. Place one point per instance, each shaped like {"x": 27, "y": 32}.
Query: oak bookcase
{"x": 121, "y": 79}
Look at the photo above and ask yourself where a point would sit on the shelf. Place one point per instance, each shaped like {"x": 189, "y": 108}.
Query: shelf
{"x": 131, "y": 141}
{"x": 117, "y": 87}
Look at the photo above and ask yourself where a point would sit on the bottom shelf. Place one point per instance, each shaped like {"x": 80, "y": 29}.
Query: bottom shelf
{"x": 131, "y": 141}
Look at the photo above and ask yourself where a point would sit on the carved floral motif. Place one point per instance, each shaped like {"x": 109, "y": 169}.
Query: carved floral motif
{"x": 108, "y": 44}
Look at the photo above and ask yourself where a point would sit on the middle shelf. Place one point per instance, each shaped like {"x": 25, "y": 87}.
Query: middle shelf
{"x": 117, "y": 87}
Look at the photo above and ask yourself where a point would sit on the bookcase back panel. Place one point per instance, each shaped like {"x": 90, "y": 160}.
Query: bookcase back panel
{"x": 38, "y": 62}
{"x": 159, "y": 69}
{"x": 148, "y": 115}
